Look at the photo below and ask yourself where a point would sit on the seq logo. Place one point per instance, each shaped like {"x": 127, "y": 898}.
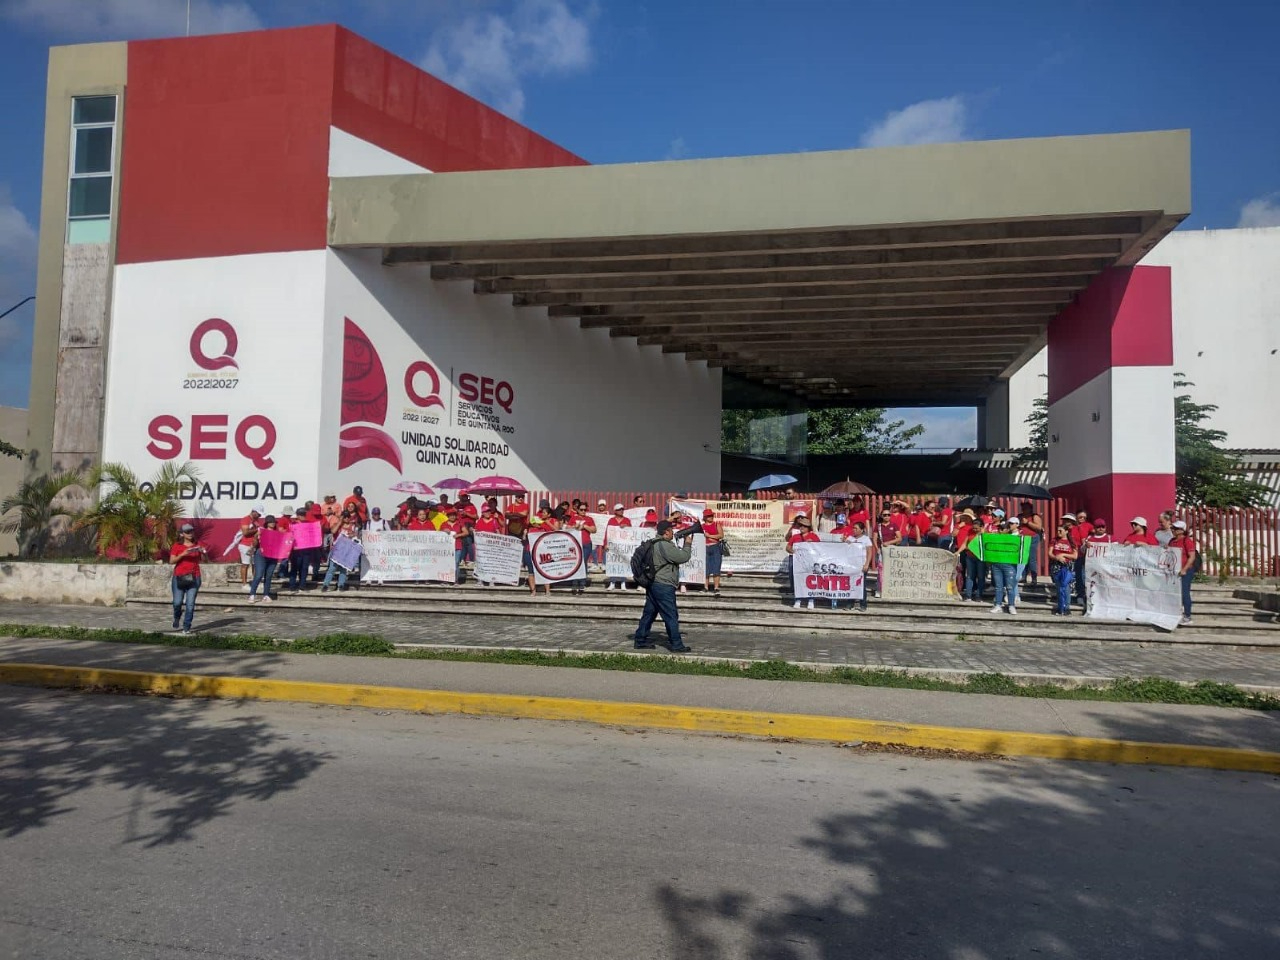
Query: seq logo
{"x": 217, "y": 332}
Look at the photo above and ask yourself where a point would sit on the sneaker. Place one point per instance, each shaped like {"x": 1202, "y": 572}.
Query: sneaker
{"x": 324, "y": 588}
{"x": 266, "y": 598}
{"x": 643, "y": 645}
{"x": 796, "y": 605}
{"x": 1012, "y": 608}
{"x": 681, "y": 648}
{"x": 186, "y": 632}
{"x": 246, "y": 587}
{"x": 995, "y": 608}
{"x": 810, "y": 604}
{"x": 253, "y": 599}
{"x": 612, "y": 586}
{"x": 1185, "y": 620}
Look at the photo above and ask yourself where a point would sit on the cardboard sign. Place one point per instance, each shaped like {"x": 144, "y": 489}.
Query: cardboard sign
{"x": 557, "y": 556}
{"x": 695, "y": 571}
{"x": 498, "y": 557}
{"x": 620, "y": 546}
{"x": 830, "y": 571}
{"x": 346, "y": 552}
{"x": 307, "y": 536}
{"x": 408, "y": 555}
{"x": 918, "y": 573}
{"x": 1134, "y": 582}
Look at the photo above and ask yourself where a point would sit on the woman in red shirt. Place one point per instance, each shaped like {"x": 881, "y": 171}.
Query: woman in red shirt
{"x": 185, "y": 555}
{"x": 1062, "y": 563}
{"x": 800, "y": 532}
{"x": 1190, "y": 556}
{"x": 715, "y": 550}
{"x": 888, "y": 534}
{"x": 1138, "y": 534}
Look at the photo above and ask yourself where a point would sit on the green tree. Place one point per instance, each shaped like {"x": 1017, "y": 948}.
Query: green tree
{"x": 1037, "y": 421}
{"x": 1208, "y": 476}
{"x": 34, "y": 510}
{"x": 135, "y": 516}
{"x": 840, "y": 430}
{"x": 7, "y": 449}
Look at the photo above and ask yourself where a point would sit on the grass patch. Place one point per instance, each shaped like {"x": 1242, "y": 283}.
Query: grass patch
{"x": 1123, "y": 690}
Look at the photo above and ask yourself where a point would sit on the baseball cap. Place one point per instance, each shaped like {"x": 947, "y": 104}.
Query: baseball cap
{"x": 600, "y": 503}
{"x": 1179, "y": 525}
{"x": 664, "y": 526}
{"x": 617, "y": 506}
{"x": 840, "y": 518}
{"x": 1068, "y": 518}
{"x": 708, "y": 513}
{"x": 487, "y": 508}
{"x": 997, "y": 512}
{"x": 377, "y": 511}
{"x": 1140, "y": 521}
{"x": 188, "y": 528}
{"x": 1099, "y": 522}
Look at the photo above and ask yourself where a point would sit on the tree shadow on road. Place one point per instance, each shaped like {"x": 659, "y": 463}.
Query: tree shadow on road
{"x": 184, "y": 764}
{"x": 1024, "y": 859}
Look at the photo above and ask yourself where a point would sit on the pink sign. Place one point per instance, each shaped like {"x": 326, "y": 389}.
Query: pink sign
{"x": 307, "y": 535}
{"x": 274, "y": 544}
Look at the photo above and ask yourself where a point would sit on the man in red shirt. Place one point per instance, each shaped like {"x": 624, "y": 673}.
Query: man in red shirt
{"x": 922, "y": 522}
{"x": 466, "y": 506}
{"x": 619, "y": 519}
{"x": 1190, "y": 556}
{"x": 518, "y": 507}
{"x": 361, "y": 504}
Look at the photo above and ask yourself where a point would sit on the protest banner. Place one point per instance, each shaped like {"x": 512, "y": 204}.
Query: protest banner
{"x": 346, "y": 552}
{"x": 557, "y": 556}
{"x": 1134, "y": 582}
{"x": 498, "y": 557}
{"x": 918, "y": 573}
{"x": 829, "y": 571}
{"x": 274, "y": 544}
{"x": 695, "y": 571}
{"x": 755, "y": 530}
{"x": 1007, "y": 548}
{"x": 408, "y": 555}
{"x": 307, "y": 536}
{"x": 636, "y": 515}
{"x": 620, "y": 546}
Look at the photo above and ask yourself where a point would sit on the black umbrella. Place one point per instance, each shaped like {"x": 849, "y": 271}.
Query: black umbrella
{"x": 1026, "y": 491}
{"x": 970, "y": 503}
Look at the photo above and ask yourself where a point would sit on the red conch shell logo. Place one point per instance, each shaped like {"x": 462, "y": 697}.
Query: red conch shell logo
{"x": 364, "y": 403}
{"x": 231, "y": 343}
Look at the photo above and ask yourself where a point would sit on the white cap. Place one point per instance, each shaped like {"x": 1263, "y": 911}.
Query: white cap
{"x": 618, "y": 506}
{"x": 1069, "y": 516}
{"x": 1141, "y": 521}
{"x": 1179, "y": 525}
{"x": 600, "y": 503}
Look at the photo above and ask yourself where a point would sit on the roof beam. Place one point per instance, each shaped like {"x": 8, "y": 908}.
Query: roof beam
{"x": 802, "y": 312}
{"x": 1051, "y": 298}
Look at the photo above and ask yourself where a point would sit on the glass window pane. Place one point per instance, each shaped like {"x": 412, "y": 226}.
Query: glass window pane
{"x": 91, "y": 197}
{"x": 93, "y": 150}
{"x": 94, "y": 110}
{"x": 95, "y": 230}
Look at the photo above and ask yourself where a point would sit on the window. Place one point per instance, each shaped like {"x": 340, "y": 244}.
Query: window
{"x": 93, "y": 134}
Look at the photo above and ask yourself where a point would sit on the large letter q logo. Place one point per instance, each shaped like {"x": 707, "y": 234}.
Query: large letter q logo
{"x": 231, "y": 344}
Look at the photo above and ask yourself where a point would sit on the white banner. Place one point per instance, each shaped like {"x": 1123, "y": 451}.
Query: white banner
{"x": 830, "y": 571}
{"x": 1134, "y": 582}
{"x": 755, "y": 530}
{"x": 408, "y": 555}
{"x": 918, "y": 573}
{"x": 621, "y": 545}
{"x": 498, "y": 557}
{"x": 557, "y": 556}
{"x": 695, "y": 571}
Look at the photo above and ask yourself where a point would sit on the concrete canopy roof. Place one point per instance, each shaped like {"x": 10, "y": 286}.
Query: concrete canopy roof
{"x": 904, "y": 275}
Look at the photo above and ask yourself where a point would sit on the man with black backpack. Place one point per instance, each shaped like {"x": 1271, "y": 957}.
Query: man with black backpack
{"x": 656, "y": 567}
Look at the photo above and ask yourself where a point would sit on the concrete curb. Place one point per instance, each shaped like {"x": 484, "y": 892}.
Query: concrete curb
{"x": 657, "y": 716}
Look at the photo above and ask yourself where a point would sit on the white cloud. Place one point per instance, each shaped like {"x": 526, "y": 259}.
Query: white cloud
{"x": 944, "y": 427}
{"x": 1261, "y": 211}
{"x": 489, "y": 55}
{"x": 929, "y": 121}
{"x": 129, "y": 19}
{"x": 678, "y": 149}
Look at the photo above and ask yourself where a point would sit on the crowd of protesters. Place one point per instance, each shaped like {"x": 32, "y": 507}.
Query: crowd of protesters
{"x": 931, "y": 523}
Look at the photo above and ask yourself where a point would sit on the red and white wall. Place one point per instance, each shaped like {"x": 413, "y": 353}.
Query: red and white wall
{"x": 284, "y": 370}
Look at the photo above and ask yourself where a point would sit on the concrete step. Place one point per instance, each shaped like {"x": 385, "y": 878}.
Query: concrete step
{"x": 973, "y": 621}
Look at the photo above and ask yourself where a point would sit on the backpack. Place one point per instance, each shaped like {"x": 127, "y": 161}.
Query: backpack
{"x": 644, "y": 568}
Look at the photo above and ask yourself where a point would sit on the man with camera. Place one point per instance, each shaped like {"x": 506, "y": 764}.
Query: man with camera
{"x": 660, "y": 596}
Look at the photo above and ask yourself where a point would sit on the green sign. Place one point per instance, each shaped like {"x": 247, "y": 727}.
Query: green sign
{"x": 1001, "y": 548}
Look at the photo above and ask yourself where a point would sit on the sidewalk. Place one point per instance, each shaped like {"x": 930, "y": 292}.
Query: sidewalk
{"x": 1149, "y": 723}
{"x": 1081, "y": 660}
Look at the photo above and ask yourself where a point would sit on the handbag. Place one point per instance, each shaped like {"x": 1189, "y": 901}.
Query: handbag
{"x": 724, "y": 548}
{"x": 185, "y": 581}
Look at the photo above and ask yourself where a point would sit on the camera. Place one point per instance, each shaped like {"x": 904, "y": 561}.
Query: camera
{"x": 690, "y": 530}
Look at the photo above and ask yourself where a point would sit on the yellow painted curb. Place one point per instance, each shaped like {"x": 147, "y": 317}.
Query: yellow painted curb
{"x": 704, "y": 720}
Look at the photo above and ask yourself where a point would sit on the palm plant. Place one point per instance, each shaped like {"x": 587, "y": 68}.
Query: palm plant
{"x": 34, "y": 509}
{"x": 134, "y": 516}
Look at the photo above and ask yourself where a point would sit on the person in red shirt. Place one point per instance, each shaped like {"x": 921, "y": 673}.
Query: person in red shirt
{"x": 1138, "y": 534}
{"x": 921, "y": 523}
{"x": 715, "y": 550}
{"x": 1030, "y": 525}
{"x": 421, "y": 521}
{"x": 185, "y": 555}
{"x": 888, "y": 534}
{"x": 518, "y": 507}
{"x": 461, "y": 534}
{"x": 465, "y": 506}
{"x": 1190, "y": 557}
{"x": 246, "y": 541}
{"x": 947, "y": 520}
{"x": 358, "y": 501}
{"x": 857, "y": 513}
{"x": 856, "y": 532}
{"x": 619, "y": 519}
{"x": 650, "y": 519}
{"x": 801, "y": 532}
{"x": 1062, "y": 566}
{"x": 1099, "y": 534}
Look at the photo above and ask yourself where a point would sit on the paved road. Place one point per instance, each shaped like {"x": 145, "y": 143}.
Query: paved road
{"x": 1030, "y": 658}
{"x": 143, "y": 828}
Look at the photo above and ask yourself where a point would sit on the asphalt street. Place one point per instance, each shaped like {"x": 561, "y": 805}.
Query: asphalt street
{"x": 141, "y": 827}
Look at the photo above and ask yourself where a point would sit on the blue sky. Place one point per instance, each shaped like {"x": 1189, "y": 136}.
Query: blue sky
{"x": 625, "y": 80}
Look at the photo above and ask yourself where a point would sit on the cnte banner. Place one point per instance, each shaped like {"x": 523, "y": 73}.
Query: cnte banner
{"x": 1134, "y": 582}
{"x": 829, "y": 571}
{"x": 918, "y": 573}
{"x": 408, "y": 555}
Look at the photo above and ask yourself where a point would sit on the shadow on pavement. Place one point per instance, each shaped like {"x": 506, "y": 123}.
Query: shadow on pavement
{"x": 140, "y": 656}
{"x": 1057, "y": 860}
{"x": 182, "y": 766}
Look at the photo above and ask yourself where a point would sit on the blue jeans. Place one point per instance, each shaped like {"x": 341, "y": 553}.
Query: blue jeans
{"x": 184, "y": 599}
{"x": 459, "y": 554}
{"x": 975, "y": 576}
{"x": 263, "y": 570}
{"x": 1081, "y": 586}
{"x": 1186, "y": 592}
{"x": 1033, "y": 560}
{"x": 1063, "y": 577}
{"x": 1005, "y": 576}
{"x": 342, "y": 573}
{"x": 659, "y": 601}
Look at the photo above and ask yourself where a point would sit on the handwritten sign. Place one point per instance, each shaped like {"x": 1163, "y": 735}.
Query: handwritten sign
{"x": 1134, "y": 582}
{"x": 755, "y": 530}
{"x": 274, "y": 544}
{"x": 408, "y": 555}
{"x": 557, "y": 556}
{"x": 498, "y": 557}
{"x": 307, "y": 536}
{"x": 346, "y": 552}
{"x": 620, "y": 546}
{"x": 918, "y": 573}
